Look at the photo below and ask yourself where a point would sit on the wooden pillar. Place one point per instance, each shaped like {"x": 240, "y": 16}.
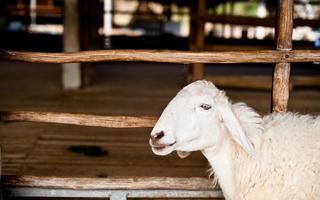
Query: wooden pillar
{"x": 71, "y": 73}
{"x": 281, "y": 76}
{"x": 91, "y": 16}
{"x": 197, "y": 36}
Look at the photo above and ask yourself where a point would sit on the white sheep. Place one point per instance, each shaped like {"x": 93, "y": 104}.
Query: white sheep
{"x": 276, "y": 157}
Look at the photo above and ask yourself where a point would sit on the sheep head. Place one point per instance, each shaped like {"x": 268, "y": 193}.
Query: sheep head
{"x": 197, "y": 118}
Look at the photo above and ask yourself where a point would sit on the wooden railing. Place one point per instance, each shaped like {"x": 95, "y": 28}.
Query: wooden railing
{"x": 184, "y": 57}
{"x": 113, "y": 188}
{"x": 79, "y": 119}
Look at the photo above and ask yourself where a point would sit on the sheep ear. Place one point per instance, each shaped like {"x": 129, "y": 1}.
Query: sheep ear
{"x": 183, "y": 154}
{"x": 232, "y": 123}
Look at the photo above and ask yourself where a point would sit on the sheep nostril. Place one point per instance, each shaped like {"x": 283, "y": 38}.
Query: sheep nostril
{"x": 157, "y": 136}
{"x": 160, "y": 135}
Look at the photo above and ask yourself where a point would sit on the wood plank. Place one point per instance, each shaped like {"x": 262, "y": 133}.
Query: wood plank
{"x": 186, "y": 57}
{"x": 91, "y": 170}
{"x": 124, "y": 157}
{"x": 116, "y": 154}
{"x": 79, "y": 119}
{"x": 194, "y": 183}
{"x": 284, "y": 30}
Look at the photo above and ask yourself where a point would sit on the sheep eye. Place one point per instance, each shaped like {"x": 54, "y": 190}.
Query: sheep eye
{"x": 205, "y": 106}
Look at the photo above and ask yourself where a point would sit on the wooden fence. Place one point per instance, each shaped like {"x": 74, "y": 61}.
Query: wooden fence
{"x": 149, "y": 187}
{"x": 184, "y": 57}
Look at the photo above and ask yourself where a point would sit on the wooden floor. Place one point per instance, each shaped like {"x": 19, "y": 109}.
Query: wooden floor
{"x": 117, "y": 89}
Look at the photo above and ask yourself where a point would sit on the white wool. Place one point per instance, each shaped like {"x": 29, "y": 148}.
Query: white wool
{"x": 285, "y": 160}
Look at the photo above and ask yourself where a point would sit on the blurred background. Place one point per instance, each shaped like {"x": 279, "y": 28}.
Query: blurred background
{"x": 159, "y": 24}
{"x": 135, "y": 89}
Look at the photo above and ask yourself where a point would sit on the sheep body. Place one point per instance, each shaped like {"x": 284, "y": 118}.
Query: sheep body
{"x": 285, "y": 159}
{"x": 286, "y": 164}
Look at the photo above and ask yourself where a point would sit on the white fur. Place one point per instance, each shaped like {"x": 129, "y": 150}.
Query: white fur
{"x": 277, "y": 158}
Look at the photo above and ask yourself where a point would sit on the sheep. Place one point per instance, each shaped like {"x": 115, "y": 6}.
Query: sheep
{"x": 275, "y": 157}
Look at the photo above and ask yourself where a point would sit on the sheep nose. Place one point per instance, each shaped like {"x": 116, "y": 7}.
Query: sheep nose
{"x": 157, "y": 136}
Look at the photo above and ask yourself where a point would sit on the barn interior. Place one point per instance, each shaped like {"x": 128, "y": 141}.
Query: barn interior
{"x": 134, "y": 88}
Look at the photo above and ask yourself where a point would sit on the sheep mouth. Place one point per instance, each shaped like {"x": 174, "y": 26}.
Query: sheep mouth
{"x": 162, "y": 146}
{"x": 157, "y": 144}
{"x": 160, "y": 149}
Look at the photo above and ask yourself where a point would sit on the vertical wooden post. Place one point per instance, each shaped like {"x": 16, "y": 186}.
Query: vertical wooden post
{"x": 90, "y": 21}
{"x": 197, "y": 36}
{"x": 280, "y": 90}
{"x": 71, "y": 73}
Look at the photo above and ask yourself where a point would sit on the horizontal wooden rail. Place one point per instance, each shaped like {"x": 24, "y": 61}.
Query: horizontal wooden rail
{"x": 194, "y": 183}
{"x": 112, "y": 188}
{"x": 79, "y": 119}
{"x": 186, "y": 57}
{"x": 254, "y": 21}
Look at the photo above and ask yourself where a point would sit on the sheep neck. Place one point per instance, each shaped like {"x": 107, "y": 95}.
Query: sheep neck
{"x": 222, "y": 162}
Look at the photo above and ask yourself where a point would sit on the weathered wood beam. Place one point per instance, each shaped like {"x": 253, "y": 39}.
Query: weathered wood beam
{"x": 284, "y": 29}
{"x": 192, "y": 183}
{"x": 186, "y": 57}
{"x": 79, "y": 119}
